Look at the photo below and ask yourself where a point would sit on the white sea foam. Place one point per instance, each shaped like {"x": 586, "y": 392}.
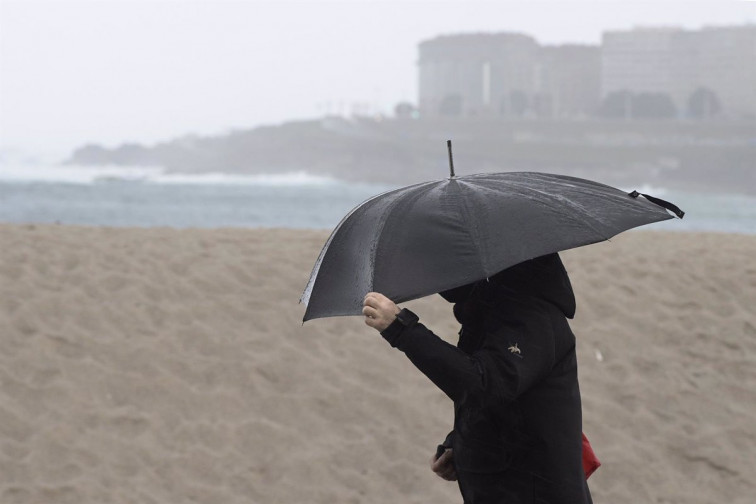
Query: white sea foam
{"x": 12, "y": 172}
{"x": 73, "y": 174}
{"x": 299, "y": 178}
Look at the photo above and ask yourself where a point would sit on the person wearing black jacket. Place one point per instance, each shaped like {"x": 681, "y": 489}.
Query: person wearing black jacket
{"x": 517, "y": 434}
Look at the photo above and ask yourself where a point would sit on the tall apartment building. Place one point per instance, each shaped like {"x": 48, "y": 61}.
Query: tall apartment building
{"x": 571, "y": 80}
{"x": 505, "y": 75}
{"x": 511, "y": 75}
{"x": 477, "y": 74}
{"x": 679, "y": 63}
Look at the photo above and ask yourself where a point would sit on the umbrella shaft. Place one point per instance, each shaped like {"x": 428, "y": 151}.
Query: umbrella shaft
{"x": 451, "y": 160}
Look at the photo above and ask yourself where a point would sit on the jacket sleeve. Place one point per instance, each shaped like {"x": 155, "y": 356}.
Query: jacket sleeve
{"x": 446, "y": 445}
{"x": 516, "y": 360}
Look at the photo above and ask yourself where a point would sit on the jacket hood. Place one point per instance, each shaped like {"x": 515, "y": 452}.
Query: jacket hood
{"x": 543, "y": 277}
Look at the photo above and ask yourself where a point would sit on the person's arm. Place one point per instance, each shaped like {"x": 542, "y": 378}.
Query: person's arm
{"x": 503, "y": 371}
{"x": 452, "y": 370}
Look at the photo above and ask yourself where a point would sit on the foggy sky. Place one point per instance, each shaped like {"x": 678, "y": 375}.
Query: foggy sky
{"x": 110, "y": 72}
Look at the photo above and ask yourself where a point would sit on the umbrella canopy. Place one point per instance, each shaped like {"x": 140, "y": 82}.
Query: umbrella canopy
{"x": 434, "y": 236}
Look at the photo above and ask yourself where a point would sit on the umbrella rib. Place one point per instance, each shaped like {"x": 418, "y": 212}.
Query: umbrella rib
{"x": 588, "y": 221}
{"x": 305, "y": 298}
{"x": 382, "y": 223}
{"x": 467, "y": 219}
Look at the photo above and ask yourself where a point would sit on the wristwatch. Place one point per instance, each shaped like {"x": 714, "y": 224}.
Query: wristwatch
{"x": 407, "y": 317}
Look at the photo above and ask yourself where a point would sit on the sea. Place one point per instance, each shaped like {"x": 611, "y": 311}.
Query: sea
{"x": 149, "y": 197}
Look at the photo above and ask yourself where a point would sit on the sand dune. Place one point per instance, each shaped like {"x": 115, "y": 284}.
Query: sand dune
{"x": 169, "y": 366}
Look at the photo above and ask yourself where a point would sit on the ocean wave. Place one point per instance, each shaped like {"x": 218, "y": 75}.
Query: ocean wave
{"x": 299, "y": 178}
{"x": 73, "y": 174}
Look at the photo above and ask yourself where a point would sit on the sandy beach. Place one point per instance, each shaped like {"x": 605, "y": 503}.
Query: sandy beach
{"x": 169, "y": 366}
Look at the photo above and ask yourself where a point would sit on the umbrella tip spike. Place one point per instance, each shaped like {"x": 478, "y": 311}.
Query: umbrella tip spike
{"x": 451, "y": 160}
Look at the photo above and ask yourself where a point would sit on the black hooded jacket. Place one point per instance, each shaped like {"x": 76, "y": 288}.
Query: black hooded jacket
{"x": 513, "y": 380}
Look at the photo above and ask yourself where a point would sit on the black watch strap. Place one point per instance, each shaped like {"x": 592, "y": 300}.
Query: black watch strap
{"x": 407, "y": 317}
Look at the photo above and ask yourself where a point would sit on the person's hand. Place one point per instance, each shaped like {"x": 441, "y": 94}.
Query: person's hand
{"x": 379, "y": 311}
{"x": 443, "y": 466}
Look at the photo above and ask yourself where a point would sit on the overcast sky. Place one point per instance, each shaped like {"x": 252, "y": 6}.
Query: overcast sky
{"x": 145, "y": 71}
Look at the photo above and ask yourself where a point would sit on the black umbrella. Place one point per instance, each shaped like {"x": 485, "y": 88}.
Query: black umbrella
{"x": 433, "y": 236}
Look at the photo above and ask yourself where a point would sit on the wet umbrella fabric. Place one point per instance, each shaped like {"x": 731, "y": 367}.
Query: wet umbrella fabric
{"x": 434, "y": 236}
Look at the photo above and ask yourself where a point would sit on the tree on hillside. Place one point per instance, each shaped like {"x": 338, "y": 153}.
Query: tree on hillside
{"x": 616, "y": 105}
{"x": 653, "y": 106}
{"x": 645, "y": 105}
{"x": 518, "y": 103}
{"x": 451, "y": 105}
{"x": 404, "y": 110}
{"x": 703, "y": 103}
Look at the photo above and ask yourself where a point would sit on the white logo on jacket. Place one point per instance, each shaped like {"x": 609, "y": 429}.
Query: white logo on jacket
{"x": 515, "y": 350}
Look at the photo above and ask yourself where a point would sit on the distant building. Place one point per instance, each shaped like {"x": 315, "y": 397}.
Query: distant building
{"x": 666, "y": 71}
{"x": 571, "y": 80}
{"x": 717, "y": 65}
{"x": 506, "y": 75}
{"x": 479, "y": 74}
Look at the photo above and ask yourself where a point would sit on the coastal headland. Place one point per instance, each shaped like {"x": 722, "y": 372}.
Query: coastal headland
{"x": 704, "y": 155}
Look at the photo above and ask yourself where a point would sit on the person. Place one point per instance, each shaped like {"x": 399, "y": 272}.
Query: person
{"x": 517, "y": 434}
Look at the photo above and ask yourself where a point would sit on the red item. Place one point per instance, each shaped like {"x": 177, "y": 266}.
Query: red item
{"x": 590, "y": 461}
